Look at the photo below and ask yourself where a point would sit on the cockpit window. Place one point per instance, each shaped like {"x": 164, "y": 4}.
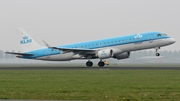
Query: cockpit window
{"x": 162, "y": 34}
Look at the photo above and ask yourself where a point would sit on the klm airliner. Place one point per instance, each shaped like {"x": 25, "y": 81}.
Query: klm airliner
{"x": 117, "y": 47}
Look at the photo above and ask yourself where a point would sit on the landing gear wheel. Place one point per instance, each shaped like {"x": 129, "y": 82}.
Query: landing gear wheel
{"x": 101, "y": 64}
{"x": 89, "y": 64}
{"x": 157, "y": 54}
{"x": 157, "y": 49}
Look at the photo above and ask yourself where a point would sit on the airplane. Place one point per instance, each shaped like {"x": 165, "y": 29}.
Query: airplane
{"x": 117, "y": 47}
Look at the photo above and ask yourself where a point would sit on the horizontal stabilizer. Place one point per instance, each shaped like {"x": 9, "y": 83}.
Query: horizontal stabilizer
{"x": 24, "y": 54}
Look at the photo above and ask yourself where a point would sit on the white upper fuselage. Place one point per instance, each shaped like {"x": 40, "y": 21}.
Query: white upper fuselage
{"x": 118, "y": 45}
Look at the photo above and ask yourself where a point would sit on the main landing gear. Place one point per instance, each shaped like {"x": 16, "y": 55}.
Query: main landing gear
{"x": 157, "y": 53}
{"x": 89, "y": 63}
{"x": 100, "y": 63}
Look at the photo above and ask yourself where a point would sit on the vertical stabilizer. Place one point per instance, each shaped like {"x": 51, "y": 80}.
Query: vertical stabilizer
{"x": 26, "y": 42}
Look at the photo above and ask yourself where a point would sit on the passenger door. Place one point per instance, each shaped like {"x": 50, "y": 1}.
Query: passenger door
{"x": 48, "y": 53}
{"x": 150, "y": 38}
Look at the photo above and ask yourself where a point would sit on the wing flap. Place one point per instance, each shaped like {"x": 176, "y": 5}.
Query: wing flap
{"x": 75, "y": 50}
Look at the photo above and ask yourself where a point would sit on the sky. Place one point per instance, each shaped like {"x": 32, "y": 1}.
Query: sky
{"x": 60, "y": 22}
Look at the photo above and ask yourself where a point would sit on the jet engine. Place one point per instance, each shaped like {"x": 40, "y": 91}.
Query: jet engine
{"x": 122, "y": 55}
{"x": 103, "y": 54}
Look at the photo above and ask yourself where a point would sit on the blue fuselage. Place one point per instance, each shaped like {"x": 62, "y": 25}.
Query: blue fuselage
{"x": 124, "y": 41}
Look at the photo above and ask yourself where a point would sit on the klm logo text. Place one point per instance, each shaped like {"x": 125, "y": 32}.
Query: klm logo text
{"x": 138, "y": 36}
{"x": 25, "y": 40}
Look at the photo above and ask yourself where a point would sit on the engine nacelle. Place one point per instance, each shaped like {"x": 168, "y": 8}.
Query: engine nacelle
{"x": 122, "y": 55}
{"x": 103, "y": 54}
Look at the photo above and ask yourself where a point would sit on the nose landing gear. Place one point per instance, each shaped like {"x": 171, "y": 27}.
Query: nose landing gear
{"x": 157, "y": 53}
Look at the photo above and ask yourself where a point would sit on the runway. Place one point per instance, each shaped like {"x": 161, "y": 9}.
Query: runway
{"x": 89, "y": 68}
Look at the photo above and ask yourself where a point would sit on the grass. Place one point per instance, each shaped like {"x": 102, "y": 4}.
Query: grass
{"x": 101, "y": 85}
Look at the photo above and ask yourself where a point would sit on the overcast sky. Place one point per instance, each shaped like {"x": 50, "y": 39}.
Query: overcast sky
{"x": 69, "y": 21}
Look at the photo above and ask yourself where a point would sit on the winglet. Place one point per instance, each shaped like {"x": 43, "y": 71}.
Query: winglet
{"x": 46, "y": 44}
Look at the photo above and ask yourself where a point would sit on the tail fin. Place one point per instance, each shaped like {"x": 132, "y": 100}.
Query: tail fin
{"x": 26, "y": 42}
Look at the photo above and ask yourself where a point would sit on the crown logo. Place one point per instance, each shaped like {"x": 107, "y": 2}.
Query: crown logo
{"x": 25, "y": 40}
{"x": 25, "y": 37}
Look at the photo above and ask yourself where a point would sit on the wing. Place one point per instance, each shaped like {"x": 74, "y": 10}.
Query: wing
{"x": 24, "y": 54}
{"x": 75, "y": 50}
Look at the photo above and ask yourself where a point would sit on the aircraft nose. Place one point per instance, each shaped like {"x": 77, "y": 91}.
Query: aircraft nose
{"x": 172, "y": 40}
